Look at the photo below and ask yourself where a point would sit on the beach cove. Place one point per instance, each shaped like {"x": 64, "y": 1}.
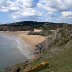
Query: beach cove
{"x": 17, "y": 47}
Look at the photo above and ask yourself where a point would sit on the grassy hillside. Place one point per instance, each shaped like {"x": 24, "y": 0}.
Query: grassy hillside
{"x": 59, "y": 55}
{"x": 57, "y": 63}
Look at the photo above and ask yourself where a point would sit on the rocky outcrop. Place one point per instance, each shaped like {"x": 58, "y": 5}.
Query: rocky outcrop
{"x": 59, "y": 38}
{"x": 41, "y": 47}
{"x": 38, "y": 67}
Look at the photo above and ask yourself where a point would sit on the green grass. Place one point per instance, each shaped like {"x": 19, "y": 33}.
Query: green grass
{"x": 61, "y": 62}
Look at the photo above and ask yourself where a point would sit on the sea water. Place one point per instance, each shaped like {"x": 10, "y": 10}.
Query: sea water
{"x": 12, "y": 51}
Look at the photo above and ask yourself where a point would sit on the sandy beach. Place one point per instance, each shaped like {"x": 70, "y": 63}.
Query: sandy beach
{"x": 32, "y": 40}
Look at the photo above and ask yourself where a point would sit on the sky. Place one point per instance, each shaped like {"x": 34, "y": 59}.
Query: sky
{"x": 36, "y": 10}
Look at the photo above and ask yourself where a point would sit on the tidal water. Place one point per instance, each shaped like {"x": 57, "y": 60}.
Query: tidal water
{"x": 12, "y": 51}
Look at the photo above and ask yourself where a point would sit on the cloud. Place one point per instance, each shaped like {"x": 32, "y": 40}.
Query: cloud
{"x": 2, "y": 1}
{"x": 67, "y": 14}
{"x": 16, "y": 4}
{"x": 18, "y": 8}
{"x": 40, "y": 10}
{"x": 26, "y": 13}
{"x": 56, "y": 10}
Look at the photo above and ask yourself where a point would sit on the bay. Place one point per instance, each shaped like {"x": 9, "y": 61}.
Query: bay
{"x": 9, "y": 54}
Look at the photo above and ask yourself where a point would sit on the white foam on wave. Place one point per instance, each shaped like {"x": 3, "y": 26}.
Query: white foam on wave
{"x": 24, "y": 48}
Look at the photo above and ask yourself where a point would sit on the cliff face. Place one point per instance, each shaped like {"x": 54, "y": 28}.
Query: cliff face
{"x": 58, "y": 38}
{"x": 57, "y": 51}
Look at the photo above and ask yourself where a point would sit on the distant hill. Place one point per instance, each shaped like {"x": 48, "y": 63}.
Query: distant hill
{"x": 29, "y": 25}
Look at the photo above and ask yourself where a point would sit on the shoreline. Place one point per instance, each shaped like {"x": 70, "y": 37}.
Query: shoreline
{"x": 31, "y": 40}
